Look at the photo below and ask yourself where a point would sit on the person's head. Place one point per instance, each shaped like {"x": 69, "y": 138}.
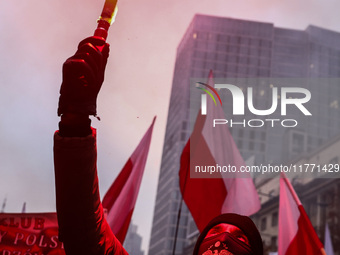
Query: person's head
{"x": 229, "y": 234}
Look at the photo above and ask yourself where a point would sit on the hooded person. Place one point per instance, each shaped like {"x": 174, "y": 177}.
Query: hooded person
{"x": 229, "y": 234}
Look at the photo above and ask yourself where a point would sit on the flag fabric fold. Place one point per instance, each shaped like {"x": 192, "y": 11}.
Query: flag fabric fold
{"x": 208, "y": 196}
{"x": 120, "y": 199}
{"x": 296, "y": 233}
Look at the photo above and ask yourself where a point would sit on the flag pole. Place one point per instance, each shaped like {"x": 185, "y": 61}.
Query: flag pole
{"x": 177, "y": 224}
{"x": 291, "y": 189}
{"x": 181, "y": 202}
{"x": 4, "y": 204}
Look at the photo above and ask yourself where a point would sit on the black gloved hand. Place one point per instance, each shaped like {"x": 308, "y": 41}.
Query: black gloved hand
{"x": 83, "y": 75}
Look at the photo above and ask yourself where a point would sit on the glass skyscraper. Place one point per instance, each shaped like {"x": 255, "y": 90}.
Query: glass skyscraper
{"x": 269, "y": 57}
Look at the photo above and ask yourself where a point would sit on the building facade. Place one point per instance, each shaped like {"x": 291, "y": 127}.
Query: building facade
{"x": 249, "y": 53}
{"x": 133, "y": 241}
{"x": 320, "y": 195}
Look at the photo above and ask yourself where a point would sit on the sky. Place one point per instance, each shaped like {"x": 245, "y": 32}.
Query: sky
{"x": 37, "y": 36}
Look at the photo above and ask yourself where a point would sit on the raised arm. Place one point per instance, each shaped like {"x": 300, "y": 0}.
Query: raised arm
{"x": 82, "y": 226}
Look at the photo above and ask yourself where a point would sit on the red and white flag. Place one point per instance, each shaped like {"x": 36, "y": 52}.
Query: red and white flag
{"x": 121, "y": 197}
{"x": 296, "y": 233}
{"x": 210, "y": 195}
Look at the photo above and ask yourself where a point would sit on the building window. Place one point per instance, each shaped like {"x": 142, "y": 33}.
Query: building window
{"x": 274, "y": 219}
{"x": 298, "y": 143}
{"x": 251, "y": 145}
{"x": 334, "y": 160}
{"x": 233, "y": 49}
{"x": 263, "y": 146}
{"x": 244, "y": 40}
{"x": 183, "y": 136}
{"x": 184, "y": 125}
{"x": 274, "y": 242}
{"x": 239, "y": 144}
{"x": 312, "y": 207}
{"x": 263, "y": 224}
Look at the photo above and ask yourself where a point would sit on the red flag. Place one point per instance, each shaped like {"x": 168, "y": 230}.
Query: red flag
{"x": 296, "y": 233}
{"x": 208, "y": 197}
{"x": 121, "y": 197}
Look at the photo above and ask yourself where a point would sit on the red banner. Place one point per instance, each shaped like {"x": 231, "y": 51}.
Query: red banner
{"x": 29, "y": 234}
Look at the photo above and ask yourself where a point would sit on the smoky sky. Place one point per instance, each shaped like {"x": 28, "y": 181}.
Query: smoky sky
{"x": 36, "y": 38}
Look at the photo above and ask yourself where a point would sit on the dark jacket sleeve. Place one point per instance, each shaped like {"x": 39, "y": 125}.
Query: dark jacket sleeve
{"x": 82, "y": 226}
